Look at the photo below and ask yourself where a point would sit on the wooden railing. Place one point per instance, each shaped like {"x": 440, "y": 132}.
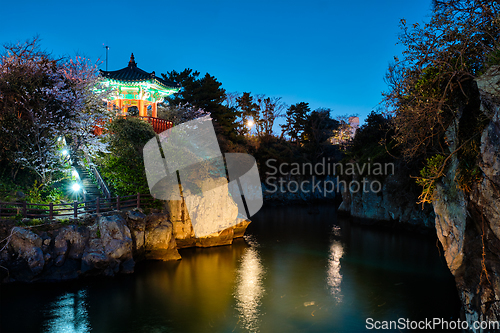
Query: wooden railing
{"x": 74, "y": 209}
{"x": 100, "y": 182}
{"x": 159, "y": 125}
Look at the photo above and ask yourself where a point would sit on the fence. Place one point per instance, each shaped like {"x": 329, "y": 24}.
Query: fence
{"x": 159, "y": 125}
{"x": 74, "y": 209}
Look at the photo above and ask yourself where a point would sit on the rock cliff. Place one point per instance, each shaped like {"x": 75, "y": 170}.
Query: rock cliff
{"x": 393, "y": 202}
{"x": 468, "y": 223}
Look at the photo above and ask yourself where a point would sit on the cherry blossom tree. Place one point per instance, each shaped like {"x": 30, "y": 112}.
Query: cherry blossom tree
{"x": 42, "y": 100}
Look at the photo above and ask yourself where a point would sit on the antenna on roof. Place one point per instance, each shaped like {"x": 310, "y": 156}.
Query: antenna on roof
{"x": 107, "y": 48}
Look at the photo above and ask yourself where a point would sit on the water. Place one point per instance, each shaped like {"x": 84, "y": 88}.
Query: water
{"x": 296, "y": 272}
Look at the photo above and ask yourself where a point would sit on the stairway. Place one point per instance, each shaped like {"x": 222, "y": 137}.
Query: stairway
{"x": 91, "y": 189}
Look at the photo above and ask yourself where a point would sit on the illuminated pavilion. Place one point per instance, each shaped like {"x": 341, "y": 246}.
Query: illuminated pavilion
{"x": 134, "y": 87}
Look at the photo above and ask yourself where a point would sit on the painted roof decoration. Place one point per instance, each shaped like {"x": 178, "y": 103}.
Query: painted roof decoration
{"x": 132, "y": 73}
{"x": 132, "y": 82}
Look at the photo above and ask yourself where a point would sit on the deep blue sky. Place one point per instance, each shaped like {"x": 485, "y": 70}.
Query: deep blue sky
{"x": 332, "y": 54}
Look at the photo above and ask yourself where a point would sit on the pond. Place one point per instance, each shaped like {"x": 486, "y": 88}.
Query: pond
{"x": 299, "y": 269}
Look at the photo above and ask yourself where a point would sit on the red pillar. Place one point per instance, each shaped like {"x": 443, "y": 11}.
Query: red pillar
{"x": 153, "y": 108}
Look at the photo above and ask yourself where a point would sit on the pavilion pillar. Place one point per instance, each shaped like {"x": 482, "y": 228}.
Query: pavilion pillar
{"x": 120, "y": 106}
{"x": 140, "y": 106}
{"x": 154, "y": 110}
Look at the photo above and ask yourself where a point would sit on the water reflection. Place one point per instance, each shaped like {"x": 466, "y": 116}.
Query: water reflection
{"x": 249, "y": 287}
{"x": 69, "y": 314}
{"x": 334, "y": 278}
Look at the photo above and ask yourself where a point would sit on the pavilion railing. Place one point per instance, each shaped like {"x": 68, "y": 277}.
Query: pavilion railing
{"x": 74, "y": 209}
{"x": 159, "y": 125}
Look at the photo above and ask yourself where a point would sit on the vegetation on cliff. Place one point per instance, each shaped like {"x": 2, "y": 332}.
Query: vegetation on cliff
{"x": 432, "y": 87}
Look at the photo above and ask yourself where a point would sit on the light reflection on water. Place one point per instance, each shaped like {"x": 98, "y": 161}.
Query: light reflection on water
{"x": 249, "y": 287}
{"x": 334, "y": 278}
{"x": 297, "y": 272}
{"x": 68, "y": 314}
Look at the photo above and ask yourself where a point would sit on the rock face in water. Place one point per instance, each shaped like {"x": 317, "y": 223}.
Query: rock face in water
{"x": 468, "y": 224}
{"x": 223, "y": 214}
{"x": 390, "y": 203}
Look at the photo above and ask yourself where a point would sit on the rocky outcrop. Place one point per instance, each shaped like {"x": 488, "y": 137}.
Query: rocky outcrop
{"x": 468, "y": 223}
{"x": 384, "y": 200}
{"x": 221, "y": 214}
{"x": 104, "y": 245}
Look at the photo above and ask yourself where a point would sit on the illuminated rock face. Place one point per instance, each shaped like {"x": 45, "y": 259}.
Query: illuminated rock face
{"x": 222, "y": 212}
{"x": 468, "y": 224}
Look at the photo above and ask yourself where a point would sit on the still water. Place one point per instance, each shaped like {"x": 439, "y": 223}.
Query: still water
{"x": 298, "y": 270}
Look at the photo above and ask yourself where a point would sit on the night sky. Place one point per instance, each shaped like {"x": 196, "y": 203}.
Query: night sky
{"x": 332, "y": 54}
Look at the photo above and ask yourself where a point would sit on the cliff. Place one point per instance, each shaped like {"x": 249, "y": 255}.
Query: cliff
{"x": 394, "y": 202}
{"x": 468, "y": 223}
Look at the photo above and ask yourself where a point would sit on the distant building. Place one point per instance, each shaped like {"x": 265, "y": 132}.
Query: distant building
{"x": 354, "y": 125}
{"x": 345, "y": 132}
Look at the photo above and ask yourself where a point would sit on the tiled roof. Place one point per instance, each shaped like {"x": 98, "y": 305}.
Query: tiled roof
{"x": 132, "y": 73}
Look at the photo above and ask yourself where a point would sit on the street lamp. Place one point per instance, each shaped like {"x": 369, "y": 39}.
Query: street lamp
{"x": 75, "y": 187}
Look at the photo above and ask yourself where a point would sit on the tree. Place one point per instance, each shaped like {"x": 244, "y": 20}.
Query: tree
{"x": 248, "y": 109}
{"x": 270, "y": 108}
{"x": 344, "y": 132}
{"x": 42, "y": 99}
{"x": 429, "y": 86}
{"x": 319, "y": 128}
{"x": 179, "y": 114}
{"x": 296, "y": 116}
{"x": 205, "y": 93}
{"x": 123, "y": 166}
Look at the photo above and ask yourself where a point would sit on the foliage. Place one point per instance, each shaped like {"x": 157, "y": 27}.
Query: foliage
{"x": 296, "y": 121}
{"x": 204, "y": 93}
{"x": 43, "y": 194}
{"x": 181, "y": 113}
{"x": 435, "y": 75}
{"x": 41, "y": 99}
{"x": 372, "y": 141}
{"x": 318, "y": 130}
{"x": 429, "y": 175}
{"x": 123, "y": 166}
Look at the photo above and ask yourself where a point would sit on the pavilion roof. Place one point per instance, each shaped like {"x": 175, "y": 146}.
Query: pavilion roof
{"x": 133, "y": 74}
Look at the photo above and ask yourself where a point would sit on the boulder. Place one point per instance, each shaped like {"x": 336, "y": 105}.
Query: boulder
{"x": 136, "y": 222}
{"x": 70, "y": 242}
{"x": 27, "y": 246}
{"x": 115, "y": 237}
{"x": 159, "y": 241}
